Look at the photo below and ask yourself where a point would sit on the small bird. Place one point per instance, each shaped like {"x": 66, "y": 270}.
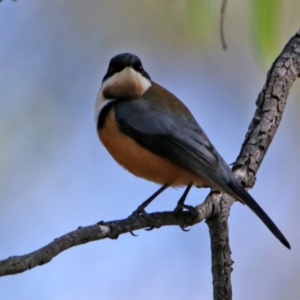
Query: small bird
{"x": 153, "y": 135}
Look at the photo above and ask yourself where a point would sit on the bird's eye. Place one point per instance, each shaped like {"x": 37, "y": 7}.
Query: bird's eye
{"x": 138, "y": 67}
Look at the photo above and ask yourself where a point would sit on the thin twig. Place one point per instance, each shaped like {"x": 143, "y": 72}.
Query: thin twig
{"x": 222, "y": 18}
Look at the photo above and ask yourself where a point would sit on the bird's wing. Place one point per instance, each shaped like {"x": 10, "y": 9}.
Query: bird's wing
{"x": 175, "y": 137}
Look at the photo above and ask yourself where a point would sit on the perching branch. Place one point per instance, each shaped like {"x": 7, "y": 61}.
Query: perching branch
{"x": 215, "y": 209}
{"x": 102, "y": 230}
{"x": 270, "y": 106}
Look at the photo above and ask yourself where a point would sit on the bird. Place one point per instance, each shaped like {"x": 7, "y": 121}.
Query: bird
{"x": 153, "y": 135}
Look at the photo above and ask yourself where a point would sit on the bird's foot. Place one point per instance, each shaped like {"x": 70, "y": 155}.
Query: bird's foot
{"x": 191, "y": 209}
{"x": 183, "y": 228}
{"x": 140, "y": 211}
{"x": 178, "y": 209}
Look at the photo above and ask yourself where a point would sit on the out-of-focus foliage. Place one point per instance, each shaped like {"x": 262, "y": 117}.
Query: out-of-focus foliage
{"x": 201, "y": 14}
{"x": 265, "y": 23}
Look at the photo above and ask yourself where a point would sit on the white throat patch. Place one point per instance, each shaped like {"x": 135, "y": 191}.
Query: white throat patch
{"x": 100, "y": 103}
{"x": 125, "y": 84}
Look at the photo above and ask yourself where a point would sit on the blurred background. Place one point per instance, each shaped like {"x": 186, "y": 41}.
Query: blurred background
{"x": 55, "y": 175}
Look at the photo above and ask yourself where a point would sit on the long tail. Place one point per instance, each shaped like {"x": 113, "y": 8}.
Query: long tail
{"x": 253, "y": 205}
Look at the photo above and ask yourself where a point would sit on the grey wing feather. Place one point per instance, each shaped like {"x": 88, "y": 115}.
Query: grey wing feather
{"x": 173, "y": 136}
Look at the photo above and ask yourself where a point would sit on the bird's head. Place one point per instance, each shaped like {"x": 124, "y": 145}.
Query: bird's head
{"x": 125, "y": 78}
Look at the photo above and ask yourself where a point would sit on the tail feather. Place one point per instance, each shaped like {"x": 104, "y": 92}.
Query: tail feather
{"x": 245, "y": 197}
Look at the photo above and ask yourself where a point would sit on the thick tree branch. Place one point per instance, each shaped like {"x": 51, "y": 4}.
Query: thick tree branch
{"x": 220, "y": 249}
{"x": 270, "y": 106}
{"x": 215, "y": 209}
{"x": 270, "y": 103}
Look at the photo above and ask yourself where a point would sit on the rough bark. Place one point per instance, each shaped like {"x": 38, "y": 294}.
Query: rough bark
{"x": 270, "y": 104}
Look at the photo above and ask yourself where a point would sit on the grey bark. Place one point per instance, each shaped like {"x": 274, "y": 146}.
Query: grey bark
{"x": 270, "y": 104}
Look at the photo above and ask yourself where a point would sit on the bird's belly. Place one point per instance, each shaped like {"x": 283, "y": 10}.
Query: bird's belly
{"x": 140, "y": 161}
